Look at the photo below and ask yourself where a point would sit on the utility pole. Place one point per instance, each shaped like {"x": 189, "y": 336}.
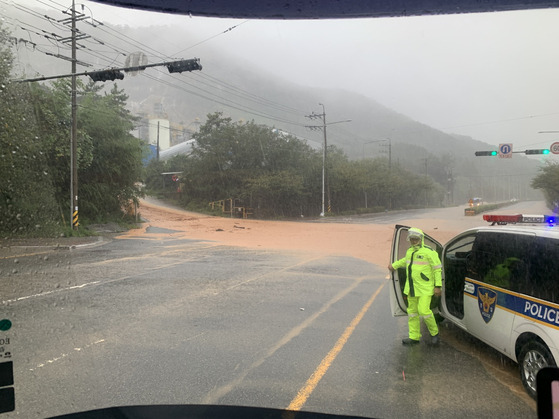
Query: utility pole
{"x": 74, "y": 128}
{"x": 324, "y": 151}
{"x": 324, "y": 161}
{"x": 157, "y": 150}
{"x": 178, "y": 66}
{"x": 74, "y": 133}
{"x": 389, "y": 144}
{"x": 324, "y": 148}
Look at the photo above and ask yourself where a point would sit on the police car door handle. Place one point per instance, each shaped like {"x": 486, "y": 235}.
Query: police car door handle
{"x": 469, "y": 287}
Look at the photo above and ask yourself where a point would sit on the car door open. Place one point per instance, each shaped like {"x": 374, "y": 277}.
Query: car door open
{"x": 398, "y": 301}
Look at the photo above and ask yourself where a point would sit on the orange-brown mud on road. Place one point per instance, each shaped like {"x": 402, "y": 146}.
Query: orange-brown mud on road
{"x": 369, "y": 242}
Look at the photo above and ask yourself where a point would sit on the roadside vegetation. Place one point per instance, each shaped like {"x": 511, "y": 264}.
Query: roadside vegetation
{"x": 268, "y": 172}
{"x": 277, "y": 175}
{"x": 548, "y": 182}
{"x": 35, "y": 122}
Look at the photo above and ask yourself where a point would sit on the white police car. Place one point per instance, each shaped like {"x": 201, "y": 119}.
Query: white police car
{"x": 500, "y": 284}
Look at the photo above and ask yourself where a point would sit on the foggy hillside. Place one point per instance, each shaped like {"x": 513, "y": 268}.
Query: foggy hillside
{"x": 245, "y": 92}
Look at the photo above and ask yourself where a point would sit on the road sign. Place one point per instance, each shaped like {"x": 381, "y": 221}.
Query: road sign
{"x": 554, "y": 148}
{"x": 505, "y": 151}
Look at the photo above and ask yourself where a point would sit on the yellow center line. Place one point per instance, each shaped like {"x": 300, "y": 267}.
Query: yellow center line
{"x": 305, "y": 392}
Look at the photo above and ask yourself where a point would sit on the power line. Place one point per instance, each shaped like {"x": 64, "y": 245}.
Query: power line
{"x": 205, "y": 81}
{"x": 251, "y": 96}
{"x": 232, "y": 105}
{"x": 230, "y": 89}
{"x": 212, "y": 37}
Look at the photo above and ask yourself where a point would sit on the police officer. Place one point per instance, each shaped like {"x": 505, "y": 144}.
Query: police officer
{"x": 423, "y": 280}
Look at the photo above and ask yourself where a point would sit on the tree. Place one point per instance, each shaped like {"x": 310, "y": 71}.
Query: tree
{"x": 276, "y": 194}
{"x": 245, "y": 160}
{"x": 279, "y": 175}
{"x": 53, "y": 117}
{"x": 27, "y": 204}
{"x": 548, "y": 181}
{"x": 108, "y": 183}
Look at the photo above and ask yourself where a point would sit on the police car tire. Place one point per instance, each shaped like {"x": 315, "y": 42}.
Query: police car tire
{"x": 534, "y": 355}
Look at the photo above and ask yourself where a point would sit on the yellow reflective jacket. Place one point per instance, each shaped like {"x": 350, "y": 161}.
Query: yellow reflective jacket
{"x": 423, "y": 270}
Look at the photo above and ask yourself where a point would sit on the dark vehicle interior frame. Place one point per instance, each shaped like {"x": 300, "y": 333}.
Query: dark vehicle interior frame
{"x": 327, "y": 9}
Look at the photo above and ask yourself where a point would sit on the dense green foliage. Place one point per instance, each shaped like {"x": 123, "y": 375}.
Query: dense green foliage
{"x": 35, "y": 137}
{"x": 108, "y": 183}
{"x": 279, "y": 175}
{"x": 548, "y": 182}
{"x": 27, "y": 200}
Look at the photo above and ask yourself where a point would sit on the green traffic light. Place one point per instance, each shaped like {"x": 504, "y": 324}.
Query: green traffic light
{"x": 486, "y": 153}
{"x": 537, "y": 151}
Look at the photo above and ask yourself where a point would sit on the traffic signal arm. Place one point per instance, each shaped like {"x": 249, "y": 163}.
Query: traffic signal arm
{"x": 486, "y": 153}
{"x": 537, "y": 151}
{"x": 116, "y": 73}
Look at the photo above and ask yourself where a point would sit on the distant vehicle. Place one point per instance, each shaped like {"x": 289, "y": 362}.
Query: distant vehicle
{"x": 501, "y": 285}
{"x": 475, "y": 202}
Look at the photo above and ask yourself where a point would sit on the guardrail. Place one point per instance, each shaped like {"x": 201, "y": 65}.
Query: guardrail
{"x": 227, "y": 206}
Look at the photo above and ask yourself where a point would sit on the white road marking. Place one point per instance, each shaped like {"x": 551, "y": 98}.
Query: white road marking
{"x": 13, "y": 300}
{"x": 62, "y": 356}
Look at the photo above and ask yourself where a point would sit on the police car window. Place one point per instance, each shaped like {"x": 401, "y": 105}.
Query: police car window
{"x": 461, "y": 248}
{"x": 544, "y": 271}
{"x": 501, "y": 259}
{"x": 455, "y": 264}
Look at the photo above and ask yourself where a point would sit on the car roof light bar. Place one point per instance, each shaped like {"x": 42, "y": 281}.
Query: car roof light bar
{"x": 520, "y": 218}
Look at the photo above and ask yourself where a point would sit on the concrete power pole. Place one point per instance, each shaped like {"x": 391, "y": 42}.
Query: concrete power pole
{"x": 324, "y": 150}
{"x": 74, "y": 134}
{"x": 322, "y": 116}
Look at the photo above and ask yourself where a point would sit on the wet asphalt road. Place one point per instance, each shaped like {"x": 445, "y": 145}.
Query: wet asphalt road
{"x": 163, "y": 320}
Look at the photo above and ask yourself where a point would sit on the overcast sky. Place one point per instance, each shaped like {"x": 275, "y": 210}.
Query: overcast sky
{"x": 493, "y": 76}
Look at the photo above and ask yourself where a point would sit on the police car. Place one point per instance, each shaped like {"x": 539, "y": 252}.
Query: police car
{"x": 501, "y": 285}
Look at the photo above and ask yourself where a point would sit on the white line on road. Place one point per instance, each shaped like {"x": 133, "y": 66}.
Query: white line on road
{"x": 62, "y": 356}
{"x": 41, "y": 294}
{"x": 88, "y": 284}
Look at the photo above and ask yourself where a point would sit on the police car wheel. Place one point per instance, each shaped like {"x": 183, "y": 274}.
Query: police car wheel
{"x": 533, "y": 357}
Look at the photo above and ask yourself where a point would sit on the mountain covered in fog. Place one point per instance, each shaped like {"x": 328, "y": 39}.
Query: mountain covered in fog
{"x": 240, "y": 90}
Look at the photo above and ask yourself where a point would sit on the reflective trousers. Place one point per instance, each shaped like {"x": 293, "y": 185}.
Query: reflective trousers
{"x": 420, "y": 307}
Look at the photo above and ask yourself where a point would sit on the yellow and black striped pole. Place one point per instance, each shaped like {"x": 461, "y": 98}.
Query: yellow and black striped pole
{"x": 75, "y": 222}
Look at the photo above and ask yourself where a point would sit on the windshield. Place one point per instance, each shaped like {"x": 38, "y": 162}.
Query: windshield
{"x": 199, "y": 211}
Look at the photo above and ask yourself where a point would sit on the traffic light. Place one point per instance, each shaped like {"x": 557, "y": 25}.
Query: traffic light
{"x": 538, "y": 151}
{"x": 184, "y": 65}
{"x": 486, "y": 153}
{"x": 105, "y": 75}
